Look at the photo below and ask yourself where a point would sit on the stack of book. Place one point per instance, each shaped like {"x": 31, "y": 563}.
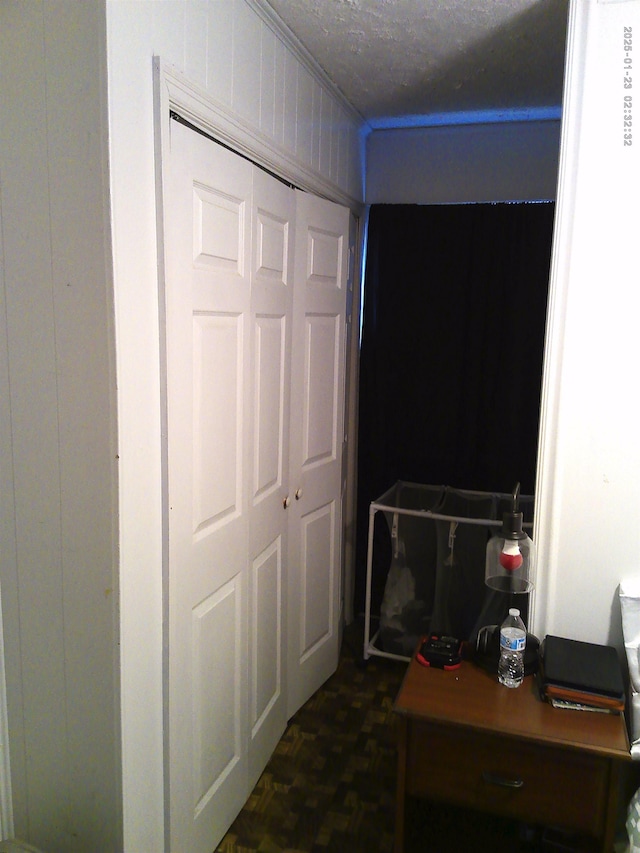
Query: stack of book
{"x": 587, "y": 676}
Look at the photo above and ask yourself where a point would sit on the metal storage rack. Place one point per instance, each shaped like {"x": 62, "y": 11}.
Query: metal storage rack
{"x": 412, "y": 505}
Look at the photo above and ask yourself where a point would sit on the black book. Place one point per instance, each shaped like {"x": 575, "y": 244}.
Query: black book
{"x": 590, "y": 668}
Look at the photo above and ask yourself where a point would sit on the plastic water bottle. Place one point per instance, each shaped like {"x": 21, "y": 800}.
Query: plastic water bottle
{"x": 513, "y": 638}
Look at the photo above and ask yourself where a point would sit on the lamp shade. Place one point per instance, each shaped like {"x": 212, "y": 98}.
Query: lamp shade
{"x": 510, "y": 554}
{"x": 509, "y": 563}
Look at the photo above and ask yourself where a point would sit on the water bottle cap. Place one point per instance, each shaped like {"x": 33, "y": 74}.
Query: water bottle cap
{"x": 513, "y": 611}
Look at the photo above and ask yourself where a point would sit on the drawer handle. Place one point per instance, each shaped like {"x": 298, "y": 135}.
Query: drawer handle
{"x": 502, "y": 781}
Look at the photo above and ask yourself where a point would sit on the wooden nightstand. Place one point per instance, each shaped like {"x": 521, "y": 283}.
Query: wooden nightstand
{"x": 466, "y": 739}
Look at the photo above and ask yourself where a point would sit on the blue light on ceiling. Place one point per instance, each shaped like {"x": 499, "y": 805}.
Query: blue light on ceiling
{"x": 461, "y": 118}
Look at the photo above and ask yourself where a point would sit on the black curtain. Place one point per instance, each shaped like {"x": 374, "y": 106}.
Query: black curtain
{"x": 451, "y": 361}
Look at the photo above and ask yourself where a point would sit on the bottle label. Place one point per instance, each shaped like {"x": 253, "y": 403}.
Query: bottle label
{"x": 513, "y": 640}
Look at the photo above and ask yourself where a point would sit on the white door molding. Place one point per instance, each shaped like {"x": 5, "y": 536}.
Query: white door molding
{"x": 543, "y": 533}
{"x": 6, "y": 802}
{"x": 173, "y": 91}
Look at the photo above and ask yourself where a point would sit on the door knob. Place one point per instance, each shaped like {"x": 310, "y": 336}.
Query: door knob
{"x": 298, "y": 494}
{"x": 286, "y": 502}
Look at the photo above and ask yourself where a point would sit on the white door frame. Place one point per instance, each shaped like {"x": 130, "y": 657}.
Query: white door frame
{"x": 173, "y": 92}
{"x": 6, "y": 802}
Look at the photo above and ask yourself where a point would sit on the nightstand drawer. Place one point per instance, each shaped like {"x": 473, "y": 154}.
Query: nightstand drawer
{"x": 515, "y": 778}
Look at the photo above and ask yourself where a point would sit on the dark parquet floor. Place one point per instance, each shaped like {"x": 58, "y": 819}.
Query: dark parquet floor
{"x": 330, "y": 784}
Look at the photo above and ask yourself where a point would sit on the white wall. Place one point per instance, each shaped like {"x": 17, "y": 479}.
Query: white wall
{"x": 506, "y": 161}
{"x": 57, "y": 423}
{"x": 588, "y": 521}
{"x": 234, "y": 52}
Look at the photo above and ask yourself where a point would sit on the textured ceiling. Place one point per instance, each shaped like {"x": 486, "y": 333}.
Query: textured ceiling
{"x": 398, "y": 58}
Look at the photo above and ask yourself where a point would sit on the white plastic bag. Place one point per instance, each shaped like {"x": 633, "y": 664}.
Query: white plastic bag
{"x": 399, "y": 591}
{"x": 629, "y": 594}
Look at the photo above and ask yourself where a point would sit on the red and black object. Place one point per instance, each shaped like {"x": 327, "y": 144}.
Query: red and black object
{"x": 440, "y": 651}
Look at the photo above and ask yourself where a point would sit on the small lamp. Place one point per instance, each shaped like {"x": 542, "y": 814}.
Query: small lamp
{"x": 510, "y": 560}
{"x": 510, "y": 553}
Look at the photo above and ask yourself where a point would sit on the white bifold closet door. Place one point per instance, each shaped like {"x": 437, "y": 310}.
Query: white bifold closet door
{"x": 255, "y": 304}
{"x": 317, "y": 431}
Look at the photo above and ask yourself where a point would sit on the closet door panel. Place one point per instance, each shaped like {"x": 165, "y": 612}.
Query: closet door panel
{"x": 315, "y": 551}
{"x": 322, "y": 354}
{"x": 316, "y": 611}
{"x": 217, "y": 412}
{"x": 216, "y": 734}
{"x": 208, "y": 320}
{"x": 268, "y": 404}
{"x": 273, "y": 215}
{"x": 266, "y": 649}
